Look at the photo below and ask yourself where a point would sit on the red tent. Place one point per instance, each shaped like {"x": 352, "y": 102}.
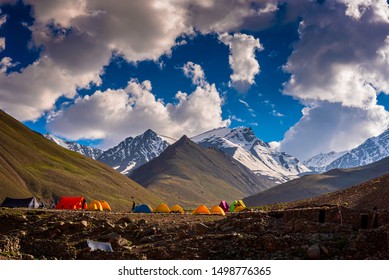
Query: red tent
{"x": 71, "y": 203}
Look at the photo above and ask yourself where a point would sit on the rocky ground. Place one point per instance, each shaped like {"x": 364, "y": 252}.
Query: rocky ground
{"x": 53, "y": 234}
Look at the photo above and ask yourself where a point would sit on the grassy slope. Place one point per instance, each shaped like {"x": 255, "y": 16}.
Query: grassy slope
{"x": 188, "y": 174}
{"x": 32, "y": 165}
{"x": 315, "y": 185}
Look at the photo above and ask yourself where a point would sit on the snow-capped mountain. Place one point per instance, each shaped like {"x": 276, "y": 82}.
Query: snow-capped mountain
{"x": 134, "y": 152}
{"x": 75, "y": 147}
{"x": 372, "y": 150}
{"x": 242, "y": 144}
{"x": 320, "y": 162}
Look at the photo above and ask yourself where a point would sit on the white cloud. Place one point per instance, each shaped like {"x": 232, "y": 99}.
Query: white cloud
{"x": 242, "y": 59}
{"x": 277, "y": 114}
{"x": 107, "y": 115}
{"x": 5, "y": 64}
{"x": 339, "y": 55}
{"x": 2, "y": 44}
{"x": 333, "y": 127}
{"x": 251, "y": 110}
{"x": 3, "y": 18}
{"x": 235, "y": 118}
{"x": 195, "y": 72}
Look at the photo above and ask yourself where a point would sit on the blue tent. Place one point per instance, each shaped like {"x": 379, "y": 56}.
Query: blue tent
{"x": 143, "y": 208}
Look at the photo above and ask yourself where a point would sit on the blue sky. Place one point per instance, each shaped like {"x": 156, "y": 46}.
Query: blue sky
{"x": 310, "y": 76}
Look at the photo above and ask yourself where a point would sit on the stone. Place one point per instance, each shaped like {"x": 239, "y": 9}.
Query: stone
{"x": 201, "y": 228}
{"x": 314, "y": 252}
{"x": 84, "y": 223}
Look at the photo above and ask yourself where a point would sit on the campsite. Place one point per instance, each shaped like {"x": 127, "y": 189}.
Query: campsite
{"x": 274, "y": 234}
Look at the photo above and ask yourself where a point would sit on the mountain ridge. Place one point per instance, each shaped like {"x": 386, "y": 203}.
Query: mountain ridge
{"x": 195, "y": 175}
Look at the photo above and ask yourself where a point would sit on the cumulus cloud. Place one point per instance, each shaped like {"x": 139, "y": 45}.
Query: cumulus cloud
{"x": 77, "y": 39}
{"x": 242, "y": 59}
{"x": 112, "y": 115}
{"x": 333, "y": 127}
{"x": 195, "y": 72}
{"x": 339, "y": 55}
{"x": 5, "y": 64}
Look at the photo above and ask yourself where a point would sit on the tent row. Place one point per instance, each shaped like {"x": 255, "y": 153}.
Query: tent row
{"x": 221, "y": 209}
{"x": 79, "y": 203}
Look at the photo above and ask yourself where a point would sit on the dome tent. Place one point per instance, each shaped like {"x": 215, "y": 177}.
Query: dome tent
{"x": 177, "y": 209}
{"x": 162, "y": 208}
{"x": 217, "y": 210}
{"x": 94, "y": 206}
{"x": 143, "y": 208}
{"x": 201, "y": 210}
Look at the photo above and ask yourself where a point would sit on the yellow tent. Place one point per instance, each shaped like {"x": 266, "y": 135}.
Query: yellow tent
{"x": 162, "y": 208}
{"x": 95, "y": 206}
{"x": 217, "y": 210}
{"x": 202, "y": 209}
{"x": 240, "y": 203}
{"x": 105, "y": 205}
{"x": 177, "y": 209}
{"x": 238, "y": 209}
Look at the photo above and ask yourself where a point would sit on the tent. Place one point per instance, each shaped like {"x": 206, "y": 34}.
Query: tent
{"x": 224, "y": 205}
{"x": 95, "y": 206}
{"x": 105, "y": 205}
{"x": 162, "y": 208}
{"x": 177, "y": 209}
{"x": 217, "y": 210}
{"x": 71, "y": 203}
{"x": 30, "y": 202}
{"x": 143, "y": 208}
{"x": 238, "y": 209}
{"x": 202, "y": 209}
{"x": 235, "y": 204}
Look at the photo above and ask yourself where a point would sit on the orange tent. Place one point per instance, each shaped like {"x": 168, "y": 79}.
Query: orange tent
{"x": 95, "y": 206}
{"x": 177, "y": 209}
{"x": 71, "y": 203}
{"x": 201, "y": 210}
{"x": 217, "y": 210}
{"x": 105, "y": 205}
{"x": 162, "y": 208}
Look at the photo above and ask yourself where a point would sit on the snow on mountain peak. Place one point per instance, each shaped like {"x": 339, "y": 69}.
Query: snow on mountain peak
{"x": 134, "y": 152}
{"x": 75, "y": 147}
{"x": 242, "y": 144}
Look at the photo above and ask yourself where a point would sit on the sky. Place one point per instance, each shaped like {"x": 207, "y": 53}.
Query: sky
{"x": 307, "y": 76}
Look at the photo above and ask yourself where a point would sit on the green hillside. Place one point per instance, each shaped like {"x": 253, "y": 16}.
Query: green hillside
{"x": 32, "y": 165}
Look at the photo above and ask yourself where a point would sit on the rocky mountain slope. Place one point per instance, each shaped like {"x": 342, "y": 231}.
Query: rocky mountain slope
{"x": 370, "y": 194}
{"x": 31, "y": 165}
{"x": 75, "y": 147}
{"x": 257, "y": 155}
{"x": 189, "y": 174}
{"x": 320, "y": 162}
{"x": 134, "y": 152}
{"x": 372, "y": 150}
{"x": 314, "y": 185}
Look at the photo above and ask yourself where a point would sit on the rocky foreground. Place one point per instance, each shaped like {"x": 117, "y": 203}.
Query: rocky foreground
{"x": 325, "y": 233}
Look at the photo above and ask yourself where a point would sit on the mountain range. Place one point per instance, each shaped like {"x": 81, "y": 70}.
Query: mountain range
{"x": 257, "y": 155}
{"x": 134, "y": 152}
{"x": 372, "y": 150}
{"x": 193, "y": 175}
{"x": 75, "y": 147}
{"x": 31, "y": 165}
{"x": 314, "y": 185}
